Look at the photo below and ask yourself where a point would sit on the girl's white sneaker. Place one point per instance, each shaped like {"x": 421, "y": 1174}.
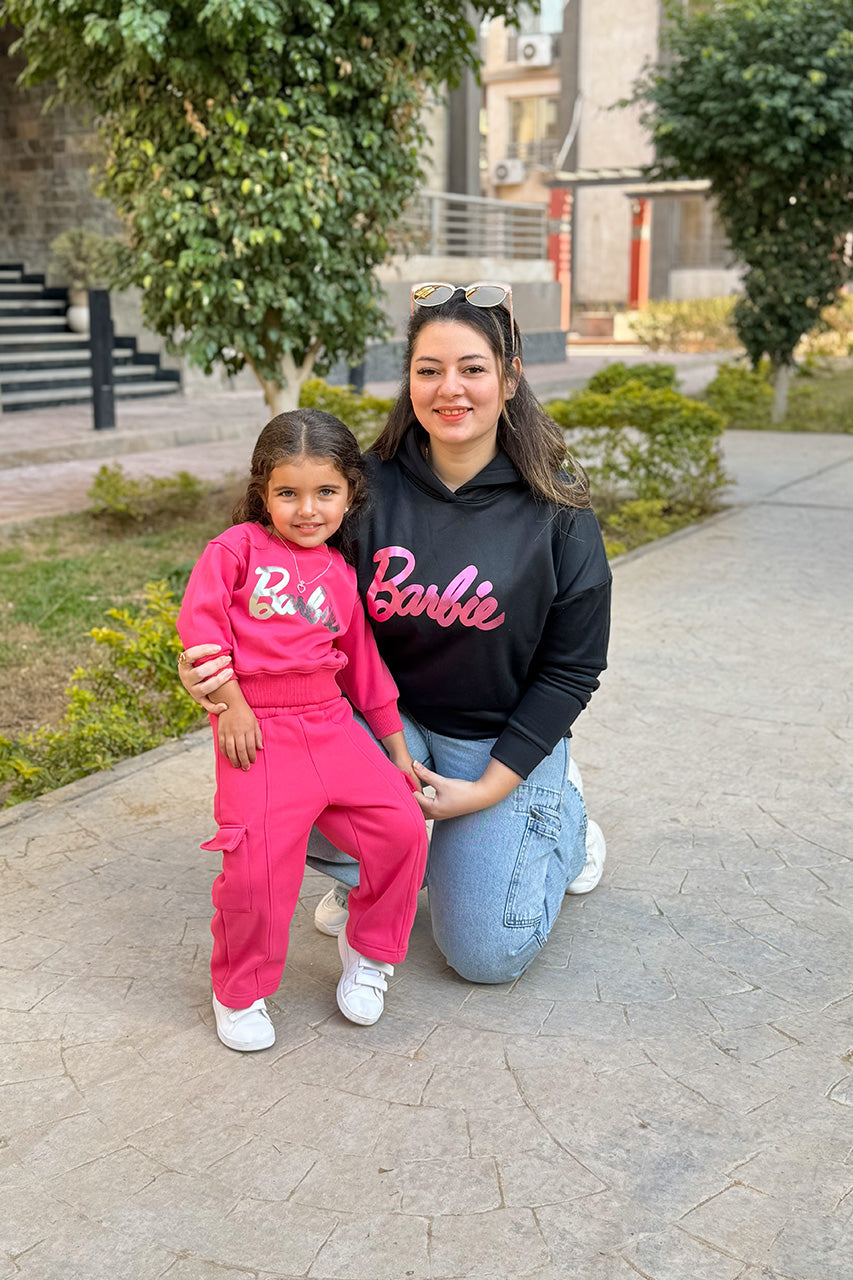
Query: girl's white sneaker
{"x": 362, "y": 986}
{"x": 244, "y": 1029}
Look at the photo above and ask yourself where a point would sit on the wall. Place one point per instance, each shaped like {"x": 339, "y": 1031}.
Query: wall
{"x": 615, "y": 40}
{"x": 45, "y": 161}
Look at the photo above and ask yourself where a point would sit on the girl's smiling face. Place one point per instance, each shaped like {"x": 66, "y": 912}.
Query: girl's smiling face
{"x": 306, "y": 500}
{"x": 457, "y": 388}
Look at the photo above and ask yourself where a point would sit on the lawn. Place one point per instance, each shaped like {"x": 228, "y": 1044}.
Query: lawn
{"x": 60, "y": 576}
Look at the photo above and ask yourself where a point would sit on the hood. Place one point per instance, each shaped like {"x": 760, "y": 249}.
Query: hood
{"x": 481, "y": 489}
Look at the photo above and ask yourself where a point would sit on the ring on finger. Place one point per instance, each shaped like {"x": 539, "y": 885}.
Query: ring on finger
{"x": 183, "y": 660}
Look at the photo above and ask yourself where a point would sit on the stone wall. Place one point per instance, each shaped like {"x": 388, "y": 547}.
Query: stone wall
{"x": 45, "y": 161}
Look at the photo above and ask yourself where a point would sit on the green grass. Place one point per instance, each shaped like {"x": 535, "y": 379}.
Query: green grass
{"x": 61, "y": 575}
{"x": 821, "y": 400}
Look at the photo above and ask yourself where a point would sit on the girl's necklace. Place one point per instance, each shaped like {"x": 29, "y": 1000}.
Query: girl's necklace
{"x": 301, "y": 584}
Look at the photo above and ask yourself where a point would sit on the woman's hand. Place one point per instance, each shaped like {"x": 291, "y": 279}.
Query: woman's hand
{"x": 239, "y": 735}
{"x": 454, "y": 796}
{"x": 203, "y": 680}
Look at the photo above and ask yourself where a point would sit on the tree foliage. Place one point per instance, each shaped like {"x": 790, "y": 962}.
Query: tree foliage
{"x": 259, "y": 152}
{"x": 757, "y": 97}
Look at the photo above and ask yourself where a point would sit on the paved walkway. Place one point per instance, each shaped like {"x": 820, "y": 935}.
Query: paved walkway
{"x": 668, "y": 1091}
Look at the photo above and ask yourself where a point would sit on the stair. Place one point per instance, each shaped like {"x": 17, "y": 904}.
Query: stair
{"x": 44, "y": 365}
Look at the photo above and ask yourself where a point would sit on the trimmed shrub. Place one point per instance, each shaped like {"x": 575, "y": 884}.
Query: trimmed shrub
{"x": 129, "y": 703}
{"x": 118, "y": 498}
{"x": 833, "y": 336}
{"x": 645, "y": 444}
{"x": 698, "y": 324}
{"x": 742, "y": 396}
{"x": 364, "y": 415}
{"x": 616, "y": 375}
{"x": 820, "y": 399}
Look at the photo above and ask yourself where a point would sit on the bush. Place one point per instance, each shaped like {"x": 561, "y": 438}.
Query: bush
{"x": 742, "y": 396}
{"x": 833, "y": 336}
{"x": 645, "y": 444}
{"x": 643, "y": 520}
{"x": 364, "y": 415}
{"x": 82, "y": 259}
{"x": 820, "y": 399}
{"x": 118, "y": 498}
{"x": 616, "y": 375}
{"x": 129, "y": 703}
{"x": 698, "y": 324}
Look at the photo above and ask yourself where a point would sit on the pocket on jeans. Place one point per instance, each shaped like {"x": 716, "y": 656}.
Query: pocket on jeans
{"x": 540, "y": 806}
{"x": 232, "y": 889}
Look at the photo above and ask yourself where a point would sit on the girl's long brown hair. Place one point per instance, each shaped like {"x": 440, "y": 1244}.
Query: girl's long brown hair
{"x": 531, "y": 440}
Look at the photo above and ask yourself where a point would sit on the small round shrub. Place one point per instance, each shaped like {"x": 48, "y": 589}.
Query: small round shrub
{"x": 617, "y": 374}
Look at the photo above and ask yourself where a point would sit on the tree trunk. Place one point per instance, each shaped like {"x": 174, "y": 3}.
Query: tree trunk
{"x": 781, "y": 384}
{"x": 282, "y": 394}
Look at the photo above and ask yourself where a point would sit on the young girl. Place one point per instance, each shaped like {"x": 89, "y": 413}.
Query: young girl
{"x": 273, "y": 594}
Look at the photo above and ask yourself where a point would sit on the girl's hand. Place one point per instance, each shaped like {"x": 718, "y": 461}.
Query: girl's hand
{"x": 239, "y": 735}
{"x": 400, "y": 755}
{"x": 203, "y": 680}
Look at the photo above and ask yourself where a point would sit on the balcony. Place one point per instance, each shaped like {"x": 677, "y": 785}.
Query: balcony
{"x": 443, "y": 224}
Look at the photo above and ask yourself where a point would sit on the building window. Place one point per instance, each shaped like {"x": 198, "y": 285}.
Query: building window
{"x": 533, "y": 126}
{"x": 549, "y": 18}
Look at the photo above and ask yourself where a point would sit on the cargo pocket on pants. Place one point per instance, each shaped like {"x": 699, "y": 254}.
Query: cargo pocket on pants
{"x": 526, "y": 897}
{"x": 232, "y": 889}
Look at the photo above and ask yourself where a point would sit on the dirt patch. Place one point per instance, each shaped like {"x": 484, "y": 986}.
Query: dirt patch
{"x": 35, "y": 694}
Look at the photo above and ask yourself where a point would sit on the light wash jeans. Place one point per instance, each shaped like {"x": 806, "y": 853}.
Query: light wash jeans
{"x": 495, "y": 879}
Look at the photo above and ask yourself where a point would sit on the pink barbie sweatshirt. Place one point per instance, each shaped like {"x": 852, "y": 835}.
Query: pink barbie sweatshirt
{"x": 292, "y": 619}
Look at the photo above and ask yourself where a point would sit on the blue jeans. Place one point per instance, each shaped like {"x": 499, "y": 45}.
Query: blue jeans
{"x": 495, "y": 879}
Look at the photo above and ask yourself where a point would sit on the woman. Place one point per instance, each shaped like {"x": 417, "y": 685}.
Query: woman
{"x": 484, "y": 574}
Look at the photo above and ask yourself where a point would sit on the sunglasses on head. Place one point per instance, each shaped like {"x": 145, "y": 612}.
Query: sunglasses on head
{"x": 483, "y": 293}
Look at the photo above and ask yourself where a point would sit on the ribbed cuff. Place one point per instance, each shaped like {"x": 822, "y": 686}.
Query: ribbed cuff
{"x": 384, "y": 721}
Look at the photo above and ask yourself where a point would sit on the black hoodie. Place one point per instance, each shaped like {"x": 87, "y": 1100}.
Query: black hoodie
{"x": 490, "y": 607}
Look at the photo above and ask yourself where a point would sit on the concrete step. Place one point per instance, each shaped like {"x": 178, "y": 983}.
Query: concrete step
{"x": 35, "y": 306}
{"x": 33, "y": 324}
{"x": 12, "y": 380}
{"x": 39, "y": 399}
{"x": 61, "y": 359}
{"x": 64, "y": 338}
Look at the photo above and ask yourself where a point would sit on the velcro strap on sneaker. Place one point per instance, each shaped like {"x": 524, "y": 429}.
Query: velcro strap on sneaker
{"x": 373, "y": 975}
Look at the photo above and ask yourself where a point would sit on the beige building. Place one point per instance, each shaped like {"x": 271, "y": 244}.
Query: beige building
{"x": 550, "y": 95}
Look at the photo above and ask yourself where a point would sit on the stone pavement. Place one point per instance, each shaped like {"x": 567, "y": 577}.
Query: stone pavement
{"x": 667, "y": 1092}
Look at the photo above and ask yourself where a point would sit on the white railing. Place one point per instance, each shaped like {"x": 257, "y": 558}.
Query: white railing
{"x": 443, "y": 224}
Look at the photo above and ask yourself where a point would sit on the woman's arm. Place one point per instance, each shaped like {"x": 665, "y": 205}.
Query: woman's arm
{"x": 206, "y": 678}
{"x": 455, "y": 796}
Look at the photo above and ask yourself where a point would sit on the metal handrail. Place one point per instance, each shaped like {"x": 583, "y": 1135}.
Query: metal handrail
{"x": 444, "y": 224}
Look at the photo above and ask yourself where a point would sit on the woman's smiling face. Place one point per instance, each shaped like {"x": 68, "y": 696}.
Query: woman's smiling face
{"x": 456, "y": 387}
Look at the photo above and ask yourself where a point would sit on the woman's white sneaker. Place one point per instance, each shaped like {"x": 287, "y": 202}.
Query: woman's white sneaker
{"x": 245, "y": 1029}
{"x": 362, "y": 986}
{"x": 596, "y": 852}
{"x": 331, "y": 912}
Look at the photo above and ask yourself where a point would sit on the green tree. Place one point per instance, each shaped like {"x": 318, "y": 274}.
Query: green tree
{"x": 259, "y": 153}
{"x": 757, "y": 97}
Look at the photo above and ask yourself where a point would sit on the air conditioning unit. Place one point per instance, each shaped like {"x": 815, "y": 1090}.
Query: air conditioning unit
{"x": 509, "y": 171}
{"x": 535, "y": 51}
